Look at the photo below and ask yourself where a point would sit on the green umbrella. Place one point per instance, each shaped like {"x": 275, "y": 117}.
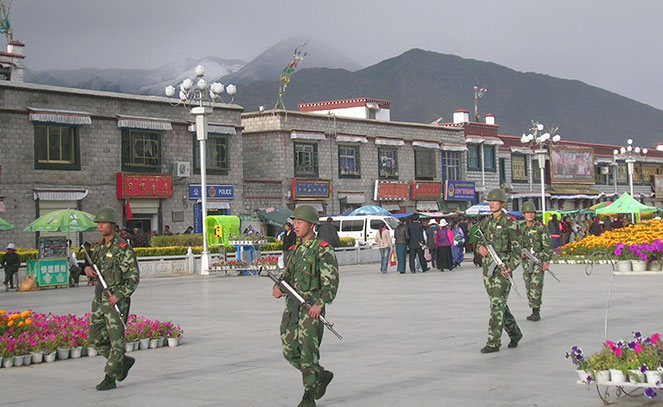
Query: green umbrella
{"x": 4, "y": 225}
{"x": 278, "y": 216}
{"x": 626, "y": 204}
{"x": 65, "y": 220}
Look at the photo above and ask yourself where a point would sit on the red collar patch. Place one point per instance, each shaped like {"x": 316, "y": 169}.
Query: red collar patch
{"x": 324, "y": 243}
{"x": 123, "y": 245}
{"x": 99, "y": 242}
{"x": 292, "y": 247}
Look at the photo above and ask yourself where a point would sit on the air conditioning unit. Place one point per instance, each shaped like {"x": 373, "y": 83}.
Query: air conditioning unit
{"x": 182, "y": 169}
{"x": 605, "y": 170}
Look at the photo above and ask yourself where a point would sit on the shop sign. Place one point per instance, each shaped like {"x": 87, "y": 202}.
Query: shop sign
{"x": 310, "y": 189}
{"x": 49, "y": 272}
{"x": 213, "y": 192}
{"x": 426, "y": 191}
{"x": 459, "y": 190}
{"x": 391, "y": 191}
{"x": 143, "y": 186}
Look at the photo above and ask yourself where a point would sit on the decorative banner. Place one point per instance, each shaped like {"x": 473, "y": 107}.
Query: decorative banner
{"x": 143, "y": 186}
{"x": 426, "y": 191}
{"x": 297, "y": 58}
{"x": 49, "y": 272}
{"x": 310, "y": 189}
{"x": 391, "y": 191}
{"x": 459, "y": 190}
{"x": 572, "y": 165}
{"x": 213, "y": 192}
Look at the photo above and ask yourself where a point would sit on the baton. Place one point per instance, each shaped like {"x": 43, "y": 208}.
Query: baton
{"x": 104, "y": 285}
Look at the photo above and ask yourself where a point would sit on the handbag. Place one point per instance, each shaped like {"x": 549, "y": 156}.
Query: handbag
{"x": 427, "y": 254}
{"x": 392, "y": 258}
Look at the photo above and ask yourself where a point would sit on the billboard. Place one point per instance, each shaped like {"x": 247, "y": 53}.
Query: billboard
{"x": 572, "y": 165}
{"x": 658, "y": 186}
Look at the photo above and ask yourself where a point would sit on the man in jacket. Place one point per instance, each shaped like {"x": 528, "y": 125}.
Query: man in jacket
{"x": 11, "y": 262}
{"x": 401, "y": 236}
{"x": 417, "y": 238}
{"x": 431, "y": 229}
{"x": 327, "y": 232}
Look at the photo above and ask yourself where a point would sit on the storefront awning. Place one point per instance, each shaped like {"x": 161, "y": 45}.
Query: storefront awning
{"x": 574, "y": 193}
{"x": 427, "y": 206}
{"x": 391, "y": 207}
{"x": 216, "y": 204}
{"x": 216, "y": 128}
{"x": 527, "y": 194}
{"x": 389, "y": 142}
{"x": 59, "y": 116}
{"x": 453, "y": 147}
{"x": 307, "y": 135}
{"x": 353, "y": 198}
{"x": 425, "y": 144}
{"x": 147, "y": 123}
{"x": 59, "y": 194}
{"x": 351, "y": 139}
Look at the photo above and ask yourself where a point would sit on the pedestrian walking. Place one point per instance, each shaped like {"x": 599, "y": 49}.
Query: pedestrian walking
{"x": 502, "y": 232}
{"x": 443, "y": 241}
{"x": 385, "y": 244}
{"x": 117, "y": 264}
{"x": 327, "y": 232}
{"x": 401, "y": 236}
{"x": 417, "y": 238}
{"x": 555, "y": 231}
{"x": 10, "y": 262}
{"x": 313, "y": 271}
{"x": 431, "y": 230}
{"x": 458, "y": 244}
{"x": 535, "y": 238}
{"x": 466, "y": 233}
{"x": 289, "y": 240}
{"x": 565, "y": 231}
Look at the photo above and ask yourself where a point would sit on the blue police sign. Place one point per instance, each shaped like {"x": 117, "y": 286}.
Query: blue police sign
{"x": 213, "y": 192}
{"x": 459, "y": 190}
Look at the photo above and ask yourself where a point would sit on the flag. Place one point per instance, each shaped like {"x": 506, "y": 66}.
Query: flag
{"x": 127, "y": 210}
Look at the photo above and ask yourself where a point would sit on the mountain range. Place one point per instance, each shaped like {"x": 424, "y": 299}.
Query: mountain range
{"x": 421, "y": 85}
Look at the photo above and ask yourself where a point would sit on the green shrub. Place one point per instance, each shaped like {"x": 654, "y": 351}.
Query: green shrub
{"x": 347, "y": 241}
{"x": 177, "y": 240}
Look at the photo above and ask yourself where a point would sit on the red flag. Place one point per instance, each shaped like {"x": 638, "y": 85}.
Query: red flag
{"x": 127, "y": 210}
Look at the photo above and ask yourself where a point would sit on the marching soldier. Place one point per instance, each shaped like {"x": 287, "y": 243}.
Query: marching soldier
{"x": 312, "y": 270}
{"x": 502, "y": 233}
{"x": 116, "y": 261}
{"x": 535, "y": 237}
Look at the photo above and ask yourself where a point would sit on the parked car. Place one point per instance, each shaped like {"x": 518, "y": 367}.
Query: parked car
{"x": 363, "y": 228}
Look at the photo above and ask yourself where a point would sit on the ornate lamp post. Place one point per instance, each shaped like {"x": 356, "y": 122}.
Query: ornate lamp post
{"x": 540, "y": 140}
{"x": 629, "y": 154}
{"x": 200, "y": 96}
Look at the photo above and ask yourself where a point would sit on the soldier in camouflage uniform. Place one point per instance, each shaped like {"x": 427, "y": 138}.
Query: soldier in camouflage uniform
{"x": 312, "y": 270}
{"x": 502, "y": 233}
{"x": 535, "y": 237}
{"x": 116, "y": 261}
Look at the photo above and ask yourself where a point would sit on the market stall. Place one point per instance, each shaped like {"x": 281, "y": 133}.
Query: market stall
{"x": 51, "y": 269}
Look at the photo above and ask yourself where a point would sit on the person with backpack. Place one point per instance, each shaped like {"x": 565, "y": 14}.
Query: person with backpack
{"x": 458, "y": 244}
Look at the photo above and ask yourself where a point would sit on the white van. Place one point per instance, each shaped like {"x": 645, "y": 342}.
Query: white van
{"x": 362, "y": 228}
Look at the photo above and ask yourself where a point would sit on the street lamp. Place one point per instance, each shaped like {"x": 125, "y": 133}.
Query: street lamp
{"x": 629, "y": 154}
{"x": 200, "y": 96}
{"x": 540, "y": 140}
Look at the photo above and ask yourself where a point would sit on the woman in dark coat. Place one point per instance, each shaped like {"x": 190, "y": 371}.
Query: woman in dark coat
{"x": 443, "y": 241}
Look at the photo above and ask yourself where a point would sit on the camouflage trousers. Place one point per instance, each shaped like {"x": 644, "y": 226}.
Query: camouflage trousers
{"x": 501, "y": 318}
{"x": 300, "y": 339}
{"x": 533, "y": 285}
{"x": 106, "y": 334}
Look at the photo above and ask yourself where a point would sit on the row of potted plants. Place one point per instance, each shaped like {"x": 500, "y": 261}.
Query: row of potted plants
{"x": 268, "y": 262}
{"x": 27, "y": 337}
{"x": 639, "y": 257}
{"x": 638, "y": 361}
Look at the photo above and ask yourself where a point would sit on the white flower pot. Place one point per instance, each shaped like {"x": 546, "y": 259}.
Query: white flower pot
{"x": 92, "y": 352}
{"x": 154, "y": 343}
{"x": 27, "y": 360}
{"x": 18, "y": 361}
{"x": 37, "y": 357}
{"x": 172, "y": 342}
{"x": 654, "y": 376}
{"x": 49, "y": 357}
{"x": 603, "y": 376}
{"x": 144, "y": 343}
{"x": 636, "y": 376}
{"x": 129, "y": 347}
{"x": 639, "y": 265}
{"x": 63, "y": 354}
{"x": 582, "y": 375}
{"x": 9, "y": 362}
{"x": 656, "y": 265}
{"x": 624, "y": 265}
{"x": 76, "y": 352}
{"x": 617, "y": 376}
{"x": 136, "y": 344}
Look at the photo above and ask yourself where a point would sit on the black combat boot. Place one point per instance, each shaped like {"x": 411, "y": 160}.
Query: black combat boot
{"x": 490, "y": 349}
{"x": 128, "y": 362}
{"x": 515, "y": 340}
{"x": 107, "y": 384}
{"x": 327, "y": 377}
{"x": 536, "y": 315}
{"x": 307, "y": 399}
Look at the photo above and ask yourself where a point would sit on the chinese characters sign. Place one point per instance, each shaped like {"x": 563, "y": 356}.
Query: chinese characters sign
{"x": 49, "y": 272}
{"x": 430, "y": 191}
{"x": 143, "y": 186}
{"x": 391, "y": 191}
{"x": 213, "y": 192}
{"x": 459, "y": 190}
{"x": 310, "y": 189}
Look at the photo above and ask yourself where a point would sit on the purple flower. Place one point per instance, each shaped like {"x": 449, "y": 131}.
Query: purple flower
{"x": 637, "y": 334}
{"x": 631, "y": 345}
{"x": 589, "y": 379}
{"x": 650, "y": 393}
{"x": 644, "y": 368}
{"x": 578, "y": 357}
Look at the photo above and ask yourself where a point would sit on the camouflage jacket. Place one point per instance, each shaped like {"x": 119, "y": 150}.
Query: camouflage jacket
{"x": 117, "y": 262}
{"x": 537, "y": 238}
{"x": 312, "y": 270}
{"x": 503, "y": 234}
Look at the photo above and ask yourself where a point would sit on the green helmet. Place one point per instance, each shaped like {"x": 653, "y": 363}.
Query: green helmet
{"x": 107, "y": 215}
{"x": 497, "y": 195}
{"x": 528, "y": 207}
{"x": 306, "y": 213}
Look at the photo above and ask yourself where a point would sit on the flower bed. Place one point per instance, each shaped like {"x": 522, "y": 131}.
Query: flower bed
{"x": 644, "y": 232}
{"x": 638, "y": 361}
{"x": 26, "y": 333}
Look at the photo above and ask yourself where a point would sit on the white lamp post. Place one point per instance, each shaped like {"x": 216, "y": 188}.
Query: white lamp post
{"x": 539, "y": 140}
{"x": 629, "y": 155}
{"x": 201, "y": 99}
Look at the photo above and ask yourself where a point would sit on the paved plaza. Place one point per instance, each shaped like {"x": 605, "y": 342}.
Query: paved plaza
{"x": 408, "y": 340}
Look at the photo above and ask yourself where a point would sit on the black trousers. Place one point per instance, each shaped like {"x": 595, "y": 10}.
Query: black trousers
{"x": 444, "y": 258}
{"x": 417, "y": 252}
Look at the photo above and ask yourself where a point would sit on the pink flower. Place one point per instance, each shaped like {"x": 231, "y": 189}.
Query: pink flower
{"x": 619, "y": 351}
{"x": 610, "y": 344}
{"x": 656, "y": 338}
{"x": 637, "y": 348}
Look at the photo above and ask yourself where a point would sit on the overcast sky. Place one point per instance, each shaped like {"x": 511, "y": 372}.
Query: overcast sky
{"x": 613, "y": 44}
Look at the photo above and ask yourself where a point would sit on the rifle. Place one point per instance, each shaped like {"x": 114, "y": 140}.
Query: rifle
{"x": 497, "y": 262}
{"x": 536, "y": 261}
{"x": 104, "y": 286}
{"x": 287, "y": 288}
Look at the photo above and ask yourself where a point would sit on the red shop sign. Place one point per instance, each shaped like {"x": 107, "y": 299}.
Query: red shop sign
{"x": 392, "y": 191}
{"x": 422, "y": 190}
{"x": 143, "y": 186}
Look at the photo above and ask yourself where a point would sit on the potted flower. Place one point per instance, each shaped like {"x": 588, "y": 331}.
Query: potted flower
{"x": 50, "y": 344}
{"x": 582, "y": 365}
{"x": 7, "y": 351}
{"x": 624, "y": 257}
{"x": 174, "y": 333}
{"x": 600, "y": 362}
{"x": 641, "y": 253}
{"x": 655, "y": 254}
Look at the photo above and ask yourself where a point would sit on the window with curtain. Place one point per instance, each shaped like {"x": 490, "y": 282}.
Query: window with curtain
{"x": 56, "y": 147}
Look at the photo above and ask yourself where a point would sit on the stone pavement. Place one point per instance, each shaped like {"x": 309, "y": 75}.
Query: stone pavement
{"x": 408, "y": 340}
